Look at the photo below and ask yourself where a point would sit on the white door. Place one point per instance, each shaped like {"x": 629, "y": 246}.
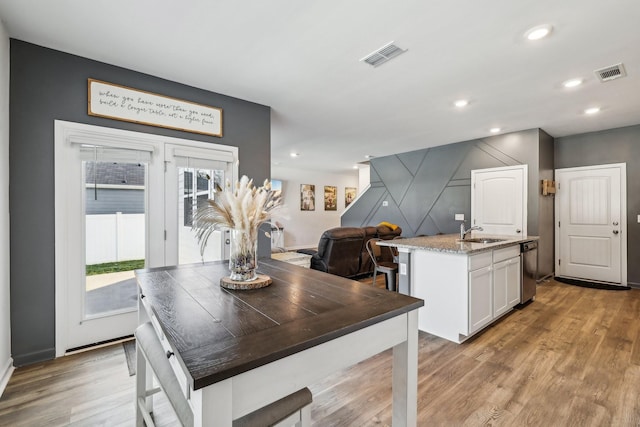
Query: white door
{"x": 193, "y": 176}
{"x": 106, "y": 220}
{"x": 591, "y": 223}
{"x": 499, "y": 200}
{"x": 112, "y": 194}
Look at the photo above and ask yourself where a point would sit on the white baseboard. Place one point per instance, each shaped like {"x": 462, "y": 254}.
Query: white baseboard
{"x": 6, "y": 375}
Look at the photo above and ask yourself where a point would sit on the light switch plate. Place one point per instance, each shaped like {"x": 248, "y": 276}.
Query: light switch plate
{"x": 460, "y": 217}
{"x": 638, "y": 218}
{"x": 403, "y": 268}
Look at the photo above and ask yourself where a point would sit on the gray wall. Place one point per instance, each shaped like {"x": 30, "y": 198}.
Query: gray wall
{"x": 47, "y": 85}
{"x": 425, "y": 188}
{"x": 621, "y": 145}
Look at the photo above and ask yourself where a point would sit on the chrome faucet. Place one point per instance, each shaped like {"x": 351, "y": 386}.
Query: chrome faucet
{"x": 463, "y": 232}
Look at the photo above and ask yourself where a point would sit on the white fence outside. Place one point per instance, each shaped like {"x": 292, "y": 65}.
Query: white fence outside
{"x": 114, "y": 237}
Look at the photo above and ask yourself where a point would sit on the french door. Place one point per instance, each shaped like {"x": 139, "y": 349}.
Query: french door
{"x": 193, "y": 176}
{"x": 591, "y": 223}
{"x": 124, "y": 201}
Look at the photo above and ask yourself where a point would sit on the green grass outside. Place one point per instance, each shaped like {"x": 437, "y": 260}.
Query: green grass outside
{"x": 114, "y": 267}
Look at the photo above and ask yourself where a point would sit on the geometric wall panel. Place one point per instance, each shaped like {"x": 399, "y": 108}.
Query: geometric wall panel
{"x": 412, "y": 160}
{"x": 395, "y": 176}
{"x": 424, "y": 189}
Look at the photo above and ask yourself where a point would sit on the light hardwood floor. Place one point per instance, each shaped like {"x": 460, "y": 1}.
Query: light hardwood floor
{"x": 572, "y": 357}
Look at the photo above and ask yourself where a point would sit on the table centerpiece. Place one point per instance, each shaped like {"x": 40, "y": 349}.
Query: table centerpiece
{"x": 242, "y": 209}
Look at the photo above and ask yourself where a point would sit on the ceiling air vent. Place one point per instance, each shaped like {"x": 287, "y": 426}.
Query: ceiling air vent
{"x": 382, "y": 55}
{"x": 611, "y": 73}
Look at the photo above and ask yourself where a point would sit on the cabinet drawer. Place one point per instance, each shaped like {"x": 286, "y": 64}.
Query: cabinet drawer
{"x": 506, "y": 253}
{"x": 480, "y": 260}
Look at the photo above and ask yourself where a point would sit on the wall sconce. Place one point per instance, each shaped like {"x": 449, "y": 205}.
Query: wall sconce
{"x": 548, "y": 187}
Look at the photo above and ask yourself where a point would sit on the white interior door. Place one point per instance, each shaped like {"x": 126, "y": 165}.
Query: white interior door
{"x": 111, "y": 214}
{"x": 591, "y": 223}
{"x": 499, "y": 200}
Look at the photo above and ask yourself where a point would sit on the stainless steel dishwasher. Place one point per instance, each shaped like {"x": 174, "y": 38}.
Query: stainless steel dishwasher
{"x": 529, "y": 251}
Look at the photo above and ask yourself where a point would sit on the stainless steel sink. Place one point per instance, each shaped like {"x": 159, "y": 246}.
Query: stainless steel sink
{"x": 482, "y": 240}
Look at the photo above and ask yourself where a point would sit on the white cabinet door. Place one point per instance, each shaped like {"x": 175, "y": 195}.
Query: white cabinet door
{"x": 500, "y": 281}
{"x": 514, "y": 278}
{"x": 480, "y": 295}
{"x": 499, "y": 200}
{"x": 506, "y": 285}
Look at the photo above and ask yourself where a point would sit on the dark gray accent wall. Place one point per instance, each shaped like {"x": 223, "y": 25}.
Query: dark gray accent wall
{"x": 425, "y": 188}
{"x": 546, "y": 207}
{"x": 621, "y": 145}
{"x": 47, "y": 85}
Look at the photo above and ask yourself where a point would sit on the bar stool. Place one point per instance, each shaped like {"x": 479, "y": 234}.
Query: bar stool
{"x": 387, "y": 267}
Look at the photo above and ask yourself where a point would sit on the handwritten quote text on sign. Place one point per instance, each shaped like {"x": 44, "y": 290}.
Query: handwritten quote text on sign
{"x": 131, "y": 105}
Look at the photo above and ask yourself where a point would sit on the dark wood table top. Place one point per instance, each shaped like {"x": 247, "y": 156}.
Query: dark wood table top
{"x": 219, "y": 333}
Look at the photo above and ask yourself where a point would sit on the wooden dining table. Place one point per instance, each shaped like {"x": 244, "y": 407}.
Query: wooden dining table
{"x": 236, "y": 351}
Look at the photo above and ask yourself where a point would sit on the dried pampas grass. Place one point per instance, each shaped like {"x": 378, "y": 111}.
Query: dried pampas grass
{"x": 243, "y": 207}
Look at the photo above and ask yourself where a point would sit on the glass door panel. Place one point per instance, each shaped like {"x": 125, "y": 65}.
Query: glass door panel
{"x": 115, "y": 226}
{"x": 195, "y": 187}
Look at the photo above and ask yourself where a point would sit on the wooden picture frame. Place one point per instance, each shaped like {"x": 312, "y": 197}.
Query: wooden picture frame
{"x": 350, "y": 194}
{"x": 330, "y": 198}
{"x": 123, "y": 103}
{"x": 307, "y": 197}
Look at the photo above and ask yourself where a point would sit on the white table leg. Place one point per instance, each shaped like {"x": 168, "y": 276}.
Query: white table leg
{"x": 144, "y": 373}
{"x": 213, "y": 405}
{"x": 405, "y": 376}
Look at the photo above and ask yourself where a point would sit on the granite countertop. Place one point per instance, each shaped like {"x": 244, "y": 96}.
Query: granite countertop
{"x": 450, "y": 243}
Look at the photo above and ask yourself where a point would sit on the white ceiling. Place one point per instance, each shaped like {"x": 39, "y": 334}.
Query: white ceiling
{"x": 302, "y": 59}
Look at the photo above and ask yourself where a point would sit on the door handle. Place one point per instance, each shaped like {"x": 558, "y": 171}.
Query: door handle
{"x": 615, "y": 222}
{"x": 615, "y": 231}
{"x": 518, "y": 231}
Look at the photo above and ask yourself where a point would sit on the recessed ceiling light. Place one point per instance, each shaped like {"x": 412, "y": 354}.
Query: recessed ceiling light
{"x": 572, "y": 83}
{"x": 368, "y": 156}
{"x": 495, "y": 130}
{"x": 294, "y": 154}
{"x": 461, "y": 103}
{"x": 355, "y": 166}
{"x": 538, "y": 32}
{"x": 592, "y": 110}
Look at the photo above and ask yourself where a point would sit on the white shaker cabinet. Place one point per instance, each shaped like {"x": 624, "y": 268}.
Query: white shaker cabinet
{"x": 480, "y": 295}
{"x": 506, "y": 279}
{"x": 465, "y": 293}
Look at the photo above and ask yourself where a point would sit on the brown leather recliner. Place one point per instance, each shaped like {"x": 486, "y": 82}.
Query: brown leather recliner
{"x": 342, "y": 251}
{"x": 339, "y": 251}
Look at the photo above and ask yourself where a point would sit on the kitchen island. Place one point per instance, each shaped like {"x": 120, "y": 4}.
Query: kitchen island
{"x": 466, "y": 284}
{"x": 233, "y": 352}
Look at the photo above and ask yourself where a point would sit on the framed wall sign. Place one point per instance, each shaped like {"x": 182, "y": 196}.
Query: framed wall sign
{"x": 138, "y": 106}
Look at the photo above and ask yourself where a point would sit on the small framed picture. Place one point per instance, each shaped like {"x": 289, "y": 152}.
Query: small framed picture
{"x": 307, "y": 197}
{"x": 349, "y": 195}
{"x": 330, "y": 198}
